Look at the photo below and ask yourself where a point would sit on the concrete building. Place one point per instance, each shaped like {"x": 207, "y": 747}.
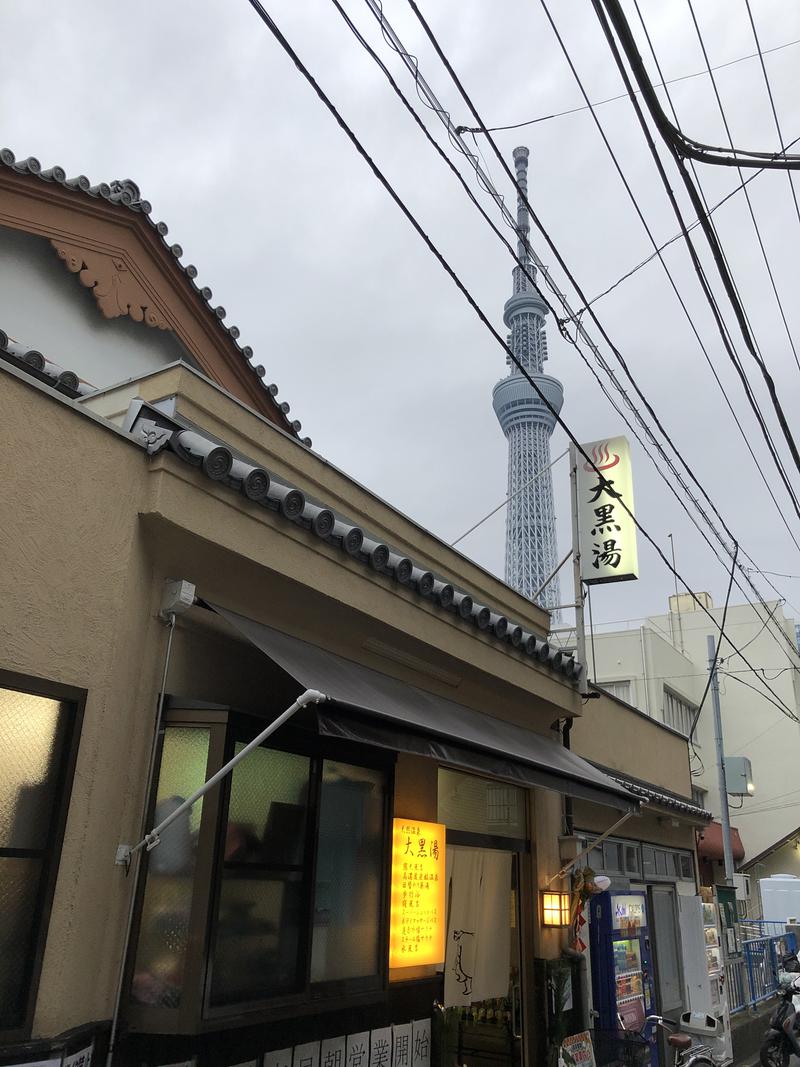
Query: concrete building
{"x": 661, "y": 667}
{"x": 281, "y": 914}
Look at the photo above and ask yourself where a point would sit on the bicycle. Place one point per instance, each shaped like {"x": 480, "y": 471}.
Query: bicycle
{"x": 686, "y": 1054}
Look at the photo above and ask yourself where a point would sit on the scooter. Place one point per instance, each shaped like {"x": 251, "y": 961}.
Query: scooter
{"x": 782, "y": 1040}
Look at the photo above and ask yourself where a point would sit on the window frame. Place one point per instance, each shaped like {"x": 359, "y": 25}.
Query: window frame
{"x": 312, "y": 996}
{"x": 195, "y": 1014}
{"x": 686, "y": 706}
{"x": 75, "y": 698}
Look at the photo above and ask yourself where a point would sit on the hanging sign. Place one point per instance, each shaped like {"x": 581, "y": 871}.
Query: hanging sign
{"x": 607, "y": 530}
{"x": 417, "y": 922}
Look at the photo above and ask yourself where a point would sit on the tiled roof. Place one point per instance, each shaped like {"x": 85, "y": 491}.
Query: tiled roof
{"x": 126, "y": 194}
{"x": 223, "y": 464}
{"x": 662, "y": 799}
{"x": 46, "y": 370}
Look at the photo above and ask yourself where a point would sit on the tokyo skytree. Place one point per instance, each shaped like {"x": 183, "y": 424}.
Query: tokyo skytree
{"x": 531, "y": 548}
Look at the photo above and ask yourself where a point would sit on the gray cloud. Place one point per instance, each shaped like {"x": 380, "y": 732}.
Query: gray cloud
{"x": 388, "y": 369}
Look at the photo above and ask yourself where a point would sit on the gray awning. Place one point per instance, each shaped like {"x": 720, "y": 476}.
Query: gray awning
{"x": 376, "y": 709}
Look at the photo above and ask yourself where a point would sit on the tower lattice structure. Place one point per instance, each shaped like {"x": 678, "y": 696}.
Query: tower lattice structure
{"x": 531, "y": 549}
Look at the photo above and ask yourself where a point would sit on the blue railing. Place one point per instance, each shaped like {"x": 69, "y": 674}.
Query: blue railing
{"x": 754, "y": 977}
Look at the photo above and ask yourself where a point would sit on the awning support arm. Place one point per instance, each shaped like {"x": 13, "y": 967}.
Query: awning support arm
{"x": 592, "y": 844}
{"x": 149, "y": 841}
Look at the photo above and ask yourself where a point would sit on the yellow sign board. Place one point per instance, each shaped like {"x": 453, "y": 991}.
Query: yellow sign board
{"x": 417, "y": 923}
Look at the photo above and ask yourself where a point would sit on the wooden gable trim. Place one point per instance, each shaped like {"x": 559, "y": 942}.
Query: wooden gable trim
{"x": 122, "y": 259}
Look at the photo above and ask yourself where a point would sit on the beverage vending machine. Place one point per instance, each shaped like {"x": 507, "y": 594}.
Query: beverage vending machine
{"x": 622, "y": 974}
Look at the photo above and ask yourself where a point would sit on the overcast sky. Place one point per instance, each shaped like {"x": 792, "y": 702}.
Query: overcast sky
{"x": 378, "y": 354}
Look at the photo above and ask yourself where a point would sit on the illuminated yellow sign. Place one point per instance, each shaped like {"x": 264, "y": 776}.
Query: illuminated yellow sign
{"x": 417, "y": 925}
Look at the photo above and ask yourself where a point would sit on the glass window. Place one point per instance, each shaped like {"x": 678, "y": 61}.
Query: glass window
{"x": 33, "y": 733}
{"x": 166, "y": 910}
{"x": 597, "y": 858}
{"x": 347, "y": 894}
{"x": 467, "y": 802}
{"x": 612, "y": 854}
{"x": 678, "y": 713}
{"x": 621, "y": 689}
{"x": 290, "y": 913}
{"x": 661, "y": 862}
{"x": 631, "y": 859}
{"x": 686, "y": 867}
{"x": 262, "y": 900}
{"x": 699, "y": 796}
{"x": 648, "y": 861}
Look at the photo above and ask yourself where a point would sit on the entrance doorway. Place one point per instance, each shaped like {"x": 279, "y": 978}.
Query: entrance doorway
{"x": 483, "y": 962}
{"x": 667, "y": 950}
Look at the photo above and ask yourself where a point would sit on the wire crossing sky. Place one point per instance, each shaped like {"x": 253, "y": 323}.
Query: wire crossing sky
{"x": 262, "y": 192}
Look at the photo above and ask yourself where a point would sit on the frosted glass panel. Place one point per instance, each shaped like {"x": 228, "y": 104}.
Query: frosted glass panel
{"x": 31, "y": 743}
{"x": 19, "y": 884}
{"x": 467, "y": 802}
{"x": 164, "y": 931}
{"x": 267, "y": 812}
{"x": 264, "y": 893}
{"x": 347, "y": 896}
{"x": 261, "y": 916}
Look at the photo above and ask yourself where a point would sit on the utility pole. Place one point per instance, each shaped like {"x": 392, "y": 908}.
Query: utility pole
{"x": 725, "y": 815}
{"x": 580, "y": 631}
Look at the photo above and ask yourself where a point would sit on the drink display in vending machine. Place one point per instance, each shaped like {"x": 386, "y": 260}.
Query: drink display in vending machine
{"x": 622, "y": 977}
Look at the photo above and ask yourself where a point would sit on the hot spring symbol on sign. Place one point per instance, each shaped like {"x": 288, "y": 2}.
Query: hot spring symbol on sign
{"x": 607, "y": 530}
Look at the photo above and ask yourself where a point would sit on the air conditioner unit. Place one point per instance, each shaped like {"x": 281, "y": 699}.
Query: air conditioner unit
{"x": 741, "y": 884}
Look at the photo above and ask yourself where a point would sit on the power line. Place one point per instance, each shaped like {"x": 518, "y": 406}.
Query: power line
{"x": 761, "y": 55}
{"x": 746, "y": 191}
{"x": 510, "y": 496}
{"x": 760, "y": 632}
{"x": 779, "y": 574}
{"x": 427, "y": 96}
{"x": 423, "y": 91}
{"x": 624, "y": 96}
{"x": 634, "y": 58}
{"x": 713, "y": 666}
{"x": 443, "y": 262}
{"x": 684, "y": 147}
{"x": 679, "y": 235}
{"x": 708, "y": 211}
{"x": 780, "y": 706}
{"x": 413, "y": 66}
{"x": 649, "y": 233}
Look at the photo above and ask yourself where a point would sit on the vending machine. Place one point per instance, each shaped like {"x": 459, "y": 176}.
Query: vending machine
{"x": 622, "y": 975}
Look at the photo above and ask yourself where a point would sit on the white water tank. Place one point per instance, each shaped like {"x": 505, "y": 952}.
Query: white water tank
{"x": 780, "y": 897}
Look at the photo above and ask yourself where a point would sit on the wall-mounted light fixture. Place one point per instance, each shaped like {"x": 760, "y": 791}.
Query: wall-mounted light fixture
{"x": 555, "y": 908}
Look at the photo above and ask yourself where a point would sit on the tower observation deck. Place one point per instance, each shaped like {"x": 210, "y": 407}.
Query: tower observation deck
{"x": 531, "y": 548}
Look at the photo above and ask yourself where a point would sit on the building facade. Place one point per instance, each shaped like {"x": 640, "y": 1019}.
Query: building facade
{"x": 661, "y": 668}
{"x": 181, "y": 572}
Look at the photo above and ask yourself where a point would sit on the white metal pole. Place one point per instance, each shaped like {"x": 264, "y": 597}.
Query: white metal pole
{"x": 580, "y": 632}
{"x": 725, "y": 815}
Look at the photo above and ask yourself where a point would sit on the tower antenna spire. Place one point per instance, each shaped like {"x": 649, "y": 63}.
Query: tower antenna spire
{"x": 531, "y": 549}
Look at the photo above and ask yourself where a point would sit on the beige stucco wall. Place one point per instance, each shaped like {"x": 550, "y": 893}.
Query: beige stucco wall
{"x": 77, "y": 608}
{"x": 612, "y": 735}
{"x": 91, "y": 528}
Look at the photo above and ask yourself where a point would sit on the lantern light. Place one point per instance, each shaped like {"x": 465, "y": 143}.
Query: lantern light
{"x": 555, "y": 909}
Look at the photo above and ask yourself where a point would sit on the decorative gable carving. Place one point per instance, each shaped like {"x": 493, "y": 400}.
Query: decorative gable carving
{"x": 114, "y": 287}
